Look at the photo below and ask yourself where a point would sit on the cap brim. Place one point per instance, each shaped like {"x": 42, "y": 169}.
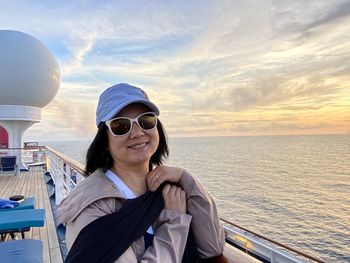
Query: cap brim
{"x": 145, "y": 102}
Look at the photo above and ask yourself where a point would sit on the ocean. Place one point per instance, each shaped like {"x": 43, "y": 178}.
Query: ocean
{"x": 293, "y": 189}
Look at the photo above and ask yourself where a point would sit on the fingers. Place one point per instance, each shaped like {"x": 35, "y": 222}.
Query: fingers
{"x": 152, "y": 181}
{"x": 174, "y": 198}
{"x": 161, "y": 174}
{"x": 166, "y": 190}
{"x": 155, "y": 178}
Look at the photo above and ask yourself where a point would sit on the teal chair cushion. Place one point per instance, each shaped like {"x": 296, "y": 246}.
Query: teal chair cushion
{"x": 21, "y": 251}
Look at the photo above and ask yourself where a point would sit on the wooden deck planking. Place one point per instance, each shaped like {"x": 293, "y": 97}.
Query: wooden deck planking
{"x": 32, "y": 184}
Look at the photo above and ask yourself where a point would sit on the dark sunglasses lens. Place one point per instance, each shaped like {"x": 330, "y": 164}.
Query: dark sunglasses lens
{"x": 147, "y": 121}
{"x": 120, "y": 126}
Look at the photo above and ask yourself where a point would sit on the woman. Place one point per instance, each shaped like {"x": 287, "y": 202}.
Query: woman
{"x": 123, "y": 163}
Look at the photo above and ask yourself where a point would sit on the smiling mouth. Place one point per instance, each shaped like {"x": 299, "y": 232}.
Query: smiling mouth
{"x": 137, "y": 146}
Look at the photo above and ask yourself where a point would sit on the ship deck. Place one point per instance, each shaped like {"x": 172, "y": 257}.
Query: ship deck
{"x": 32, "y": 184}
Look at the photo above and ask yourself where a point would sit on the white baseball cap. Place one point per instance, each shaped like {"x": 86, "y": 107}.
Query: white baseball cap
{"x": 117, "y": 97}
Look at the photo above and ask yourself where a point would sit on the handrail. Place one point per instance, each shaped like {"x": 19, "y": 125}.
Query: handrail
{"x": 25, "y": 148}
{"x": 64, "y": 171}
{"x": 274, "y": 242}
{"x": 72, "y": 163}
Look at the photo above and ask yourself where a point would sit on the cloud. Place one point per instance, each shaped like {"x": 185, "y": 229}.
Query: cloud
{"x": 196, "y": 59}
{"x": 339, "y": 11}
{"x": 65, "y": 119}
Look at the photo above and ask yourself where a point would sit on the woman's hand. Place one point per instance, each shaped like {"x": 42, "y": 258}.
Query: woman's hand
{"x": 174, "y": 198}
{"x": 161, "y": 174}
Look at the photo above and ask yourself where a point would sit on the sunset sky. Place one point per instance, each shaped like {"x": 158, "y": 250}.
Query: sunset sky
{"x": 213, "y": 67}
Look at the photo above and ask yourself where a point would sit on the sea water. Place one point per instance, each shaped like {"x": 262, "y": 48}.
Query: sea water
{"x": 293, "y": 189}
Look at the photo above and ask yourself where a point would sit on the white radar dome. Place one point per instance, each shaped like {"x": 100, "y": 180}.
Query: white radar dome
{"x": 29, "y": 73}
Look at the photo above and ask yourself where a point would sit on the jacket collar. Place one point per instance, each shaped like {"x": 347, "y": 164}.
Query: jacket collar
{"x": 89, "y": 190}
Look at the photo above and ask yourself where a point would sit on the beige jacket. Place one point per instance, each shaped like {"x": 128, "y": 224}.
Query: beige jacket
{"x": 97, "y": 196}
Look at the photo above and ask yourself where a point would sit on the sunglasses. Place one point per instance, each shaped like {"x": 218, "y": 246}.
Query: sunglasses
{"x": 121, "y": 126}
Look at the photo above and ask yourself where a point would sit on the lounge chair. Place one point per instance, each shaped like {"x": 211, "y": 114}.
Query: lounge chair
{"x": 20, "y": 221}
{"x": 22, "y": 251}
{"x": 8, "y": 164}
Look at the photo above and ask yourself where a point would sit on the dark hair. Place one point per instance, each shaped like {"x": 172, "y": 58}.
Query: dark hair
{"x": 98, "y": 156}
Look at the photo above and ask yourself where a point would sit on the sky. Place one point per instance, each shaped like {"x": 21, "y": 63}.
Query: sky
{"x": 214, "y": 68}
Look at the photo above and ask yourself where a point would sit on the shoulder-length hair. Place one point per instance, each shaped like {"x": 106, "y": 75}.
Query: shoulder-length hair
{"x": 98, "y": 156}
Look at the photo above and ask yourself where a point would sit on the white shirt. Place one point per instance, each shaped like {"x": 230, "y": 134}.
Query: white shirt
{"x": 124, "y": 189}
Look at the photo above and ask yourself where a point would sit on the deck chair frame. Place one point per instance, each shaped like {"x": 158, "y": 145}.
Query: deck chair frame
{"x": 8, "y": 164}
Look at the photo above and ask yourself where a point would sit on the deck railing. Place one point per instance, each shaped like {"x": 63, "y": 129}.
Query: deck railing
{"x": 66, "y": 173}
{"x": 29, "y": 156}
{"x": 264, "y": 247}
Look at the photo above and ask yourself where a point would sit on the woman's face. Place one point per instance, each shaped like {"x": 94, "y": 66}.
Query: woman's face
{"x": 138, "y": 146}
